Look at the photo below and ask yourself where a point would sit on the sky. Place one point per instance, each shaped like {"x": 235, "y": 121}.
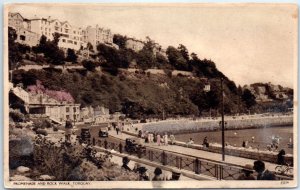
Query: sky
{"x": 248, "y": 43}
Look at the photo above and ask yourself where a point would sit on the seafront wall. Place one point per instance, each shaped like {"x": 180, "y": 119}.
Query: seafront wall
{"x": 255, "y": 154}
{"x": 191, "y": 126}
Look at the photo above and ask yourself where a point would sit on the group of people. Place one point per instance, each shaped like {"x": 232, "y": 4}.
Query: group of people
{"x": 157, "y": 138}
{"x": 144, "y": 175}
{"x": 259, "y": 167}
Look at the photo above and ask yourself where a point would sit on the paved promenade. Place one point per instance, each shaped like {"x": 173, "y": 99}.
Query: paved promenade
{"x": 198, "y": 153}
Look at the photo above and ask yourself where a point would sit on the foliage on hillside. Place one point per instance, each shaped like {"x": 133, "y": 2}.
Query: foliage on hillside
{"x": 137, "y": 95}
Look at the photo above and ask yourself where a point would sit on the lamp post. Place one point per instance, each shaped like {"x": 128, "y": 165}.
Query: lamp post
{"x": 223, "y": 127}
{"x": 207, "y": 89}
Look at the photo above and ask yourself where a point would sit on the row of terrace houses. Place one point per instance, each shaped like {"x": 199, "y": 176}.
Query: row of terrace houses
{"x": 29, "y": 32}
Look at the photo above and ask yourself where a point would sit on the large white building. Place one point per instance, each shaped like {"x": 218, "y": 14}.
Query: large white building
{"x": 97, "y": 35}
{"x": 71, "y": 36}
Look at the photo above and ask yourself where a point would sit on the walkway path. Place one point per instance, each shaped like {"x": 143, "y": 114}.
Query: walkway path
{"x": 198, "y": 153}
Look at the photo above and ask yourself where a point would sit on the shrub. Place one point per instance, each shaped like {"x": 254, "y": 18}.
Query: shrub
{"x": 74, "y": 162}
{"x": 16, "y": 115}
{"x": 42, "y": 124}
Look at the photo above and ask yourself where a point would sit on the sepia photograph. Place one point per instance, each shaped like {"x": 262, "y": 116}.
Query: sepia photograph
{"x": 150, "y": 95}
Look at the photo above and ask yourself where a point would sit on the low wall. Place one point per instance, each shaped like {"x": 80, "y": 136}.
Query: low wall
{"x": 267, "y": 156}
{"x": 254, "y": 154}
{"x": 190, "y": 126}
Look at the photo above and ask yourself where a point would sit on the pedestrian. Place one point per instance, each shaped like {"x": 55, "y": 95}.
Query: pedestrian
{"x": 158, "y": 139}
{"x": 252, "y": 138}
{"x": 280, "y": 157}
{"x": 150, "y": 136}
{"x": 263, "y": 173}
{"x": 166, "y": 141}
{"x": 247, "y": 173}
{"x": 117, "y": 129}
{"x": 190, "y": 142}
{"x": 158, "y": 176}
{"x": 205, "y": 142}
{"x": 172, "y": 138}
{"x": 244, "y": 144}
{"x": 140, "y": 134}
{"x": 155, "y": 137}
{"x": 125, "y": 161}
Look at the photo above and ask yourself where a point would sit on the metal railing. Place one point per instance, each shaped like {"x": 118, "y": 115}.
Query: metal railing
{"x": 215, "y": 169}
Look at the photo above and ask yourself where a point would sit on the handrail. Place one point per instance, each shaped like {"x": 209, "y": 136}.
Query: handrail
{"x": 173, "y": 152}
{"x": 218, "y": 165}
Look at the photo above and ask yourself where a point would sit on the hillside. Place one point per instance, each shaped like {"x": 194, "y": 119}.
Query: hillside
{"x": 104, "y": 79}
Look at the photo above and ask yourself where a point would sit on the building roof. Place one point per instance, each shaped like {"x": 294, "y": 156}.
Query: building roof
{"x": 13, "y": 14}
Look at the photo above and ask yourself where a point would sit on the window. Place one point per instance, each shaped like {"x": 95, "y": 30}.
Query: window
{"x": 64, "y": 40}
{"x": 70, "y": 41}
{"x": 66, "y": 30}
{"x": 74, "y": 109}
{"x": 67, "y": 116}
{"x": 67, "y": 109}
{"x": 56, "y": 28}
{"x": 75, "y": 43}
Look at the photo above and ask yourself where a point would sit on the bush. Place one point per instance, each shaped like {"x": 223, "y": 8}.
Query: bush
{"x": 16, "y": 115}
{"x": 42, "y": 124}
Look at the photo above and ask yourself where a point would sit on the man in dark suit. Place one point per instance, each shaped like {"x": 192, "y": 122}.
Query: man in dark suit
{"x": 263, "y": 173}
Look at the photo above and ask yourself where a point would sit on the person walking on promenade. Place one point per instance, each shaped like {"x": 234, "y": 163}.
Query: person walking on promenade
{"x": 263, "y": 173}
{"x": 252, "y": 138}
{"x": 166, "y": 140}
{"x": 247, "y": 173}
{"x": 150, "y": 136}
{"x": 117, "y": 129}
{"x": 205, "y": 142}
{"x": 172, "y": 138}
{"x": 190, "y": 142}
{"x": 158, "y": 139}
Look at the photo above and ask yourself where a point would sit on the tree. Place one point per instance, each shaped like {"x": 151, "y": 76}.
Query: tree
{"x": 176, "y": 59}
{"x": 120, "y": 41}
{"x": 184, "y": 52}
{"x": 71, "y": 56}
{"x": 90, "y": 47}
{"x": 89, "y": 65}
{"x": 248, "y": 98}
{"x": 14, "y": 54}
{"x": 51, "y": 50}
